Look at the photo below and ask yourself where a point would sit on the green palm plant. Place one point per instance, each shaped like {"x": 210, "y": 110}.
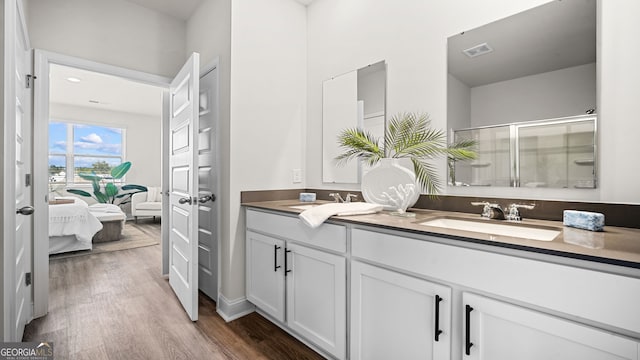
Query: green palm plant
{"x": 408, "y": 135}
{"x": 454, "y": 157}
{"x": 111, "y": 193}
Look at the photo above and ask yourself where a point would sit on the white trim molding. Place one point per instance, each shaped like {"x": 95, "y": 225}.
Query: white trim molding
{"x": 231, "y": 310}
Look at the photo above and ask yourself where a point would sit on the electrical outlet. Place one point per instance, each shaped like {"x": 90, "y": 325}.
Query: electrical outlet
{"x": 297, "y": 176}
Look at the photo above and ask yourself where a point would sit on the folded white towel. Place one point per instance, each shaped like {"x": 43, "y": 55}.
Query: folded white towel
{"x": 315, "y": 216}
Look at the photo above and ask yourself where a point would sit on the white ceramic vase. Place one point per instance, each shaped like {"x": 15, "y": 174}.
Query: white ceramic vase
{"x": 392, "y": 183}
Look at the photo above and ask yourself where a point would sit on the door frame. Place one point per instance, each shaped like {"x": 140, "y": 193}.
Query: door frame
{"x": 42, "y": 61}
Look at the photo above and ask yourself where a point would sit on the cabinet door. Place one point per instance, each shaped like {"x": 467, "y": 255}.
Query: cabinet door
{"x": 316, "y": 297}
{"x": 495, "y": 330}
{"x": 396, "y": 316}
{"x": 265, "y": 280}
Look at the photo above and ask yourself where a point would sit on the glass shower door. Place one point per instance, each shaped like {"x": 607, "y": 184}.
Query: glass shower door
{"x": 492, "y": 167}
{"x": 557, "y": 155}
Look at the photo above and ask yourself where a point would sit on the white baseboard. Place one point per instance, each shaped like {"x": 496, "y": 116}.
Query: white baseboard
{"x": 230, "y": 310}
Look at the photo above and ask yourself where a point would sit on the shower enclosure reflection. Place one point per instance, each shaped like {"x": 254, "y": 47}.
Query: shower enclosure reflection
{"x": 557, "y": 153}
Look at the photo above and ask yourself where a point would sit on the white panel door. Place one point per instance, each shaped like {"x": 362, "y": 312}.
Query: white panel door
{"x": 18, "y": 107}
{"x": 183, "y": 185}
{"x": 496, "y": 330}
{"x": 208, "y": 167}
{"x": 316, "y": 297}
{"x": 396, "y": 316}
{"x": 340, "y": 105}
{"x": 265, "y": 273}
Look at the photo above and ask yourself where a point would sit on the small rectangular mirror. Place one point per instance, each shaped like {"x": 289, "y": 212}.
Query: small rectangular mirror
{"x": 353, "y": 99}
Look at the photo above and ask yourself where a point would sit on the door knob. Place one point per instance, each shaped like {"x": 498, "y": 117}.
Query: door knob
{"x": 186, "y": 200}
{"x": 206, "y": 198}
{"x": 26, "y": 210}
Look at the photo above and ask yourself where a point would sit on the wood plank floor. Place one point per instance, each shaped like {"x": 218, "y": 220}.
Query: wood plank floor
{"x": 116, "y": 305}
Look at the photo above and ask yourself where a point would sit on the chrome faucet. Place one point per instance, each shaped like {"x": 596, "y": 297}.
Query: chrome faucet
{"x": 514, "y": 213}
{"x": 336, "y": 197}
{"x": 349, "y": 197}
{"x": 489, "y": 210}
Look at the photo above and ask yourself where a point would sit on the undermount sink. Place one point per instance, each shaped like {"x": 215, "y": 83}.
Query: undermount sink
{"x": 492, "y": 227}
{"x": 303, "y": 207}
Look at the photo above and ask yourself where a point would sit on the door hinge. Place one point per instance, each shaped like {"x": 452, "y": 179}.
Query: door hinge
{"x": 27, "y": 180}
{"x": 27, "y": 279}
{"x": 29, "y": 79}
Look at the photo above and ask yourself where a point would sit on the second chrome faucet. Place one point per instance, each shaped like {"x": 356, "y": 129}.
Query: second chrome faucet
{"x": 494, "y": 211}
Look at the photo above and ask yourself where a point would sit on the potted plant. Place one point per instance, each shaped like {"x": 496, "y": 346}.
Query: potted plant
{"x": 408, "y": 135}
{"x": 111, "y": 194}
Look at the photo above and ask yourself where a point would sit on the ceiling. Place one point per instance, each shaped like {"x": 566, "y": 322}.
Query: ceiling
{"x": 181, "y": 9}
{"x": 554, "y": 36}
{"x": 103, "y": 92}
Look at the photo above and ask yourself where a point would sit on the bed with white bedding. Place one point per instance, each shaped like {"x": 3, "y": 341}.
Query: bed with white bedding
{"x": 71, "y": 227}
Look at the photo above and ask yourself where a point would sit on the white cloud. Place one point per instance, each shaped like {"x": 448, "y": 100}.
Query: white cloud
{"x": 62, "y": 145}
{"x": 93, "y": 148}
{"x": 92, "y": 138}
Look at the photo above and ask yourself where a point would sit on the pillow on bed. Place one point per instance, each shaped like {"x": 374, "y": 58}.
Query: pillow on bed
{"x": 75, "y": 199}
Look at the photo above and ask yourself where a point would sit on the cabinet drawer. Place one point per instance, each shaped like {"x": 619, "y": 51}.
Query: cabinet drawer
{"x": 588, "y": 294}
{"x": 328, "y": 236}
{"x": 496, "y": 330}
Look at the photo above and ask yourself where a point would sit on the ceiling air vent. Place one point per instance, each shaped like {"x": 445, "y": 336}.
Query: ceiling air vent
{"x": 478, "y": 50}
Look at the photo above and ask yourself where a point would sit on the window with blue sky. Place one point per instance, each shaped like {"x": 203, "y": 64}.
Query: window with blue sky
{"x": 82, "y": 148}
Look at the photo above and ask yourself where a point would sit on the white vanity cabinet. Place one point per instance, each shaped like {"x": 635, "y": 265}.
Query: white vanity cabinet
{"x": 397, "y": 316}
{"x": 496, "y": 330}
{"x": 297, "y": 275}
{"x": 422, "y": 296}
{"x": 543, "y": 311}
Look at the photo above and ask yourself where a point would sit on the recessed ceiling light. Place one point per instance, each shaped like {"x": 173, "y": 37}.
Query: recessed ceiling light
{"x": 94, "y": 101}
{"x": 478, "y": 50}
{"x": 73, "y": 79}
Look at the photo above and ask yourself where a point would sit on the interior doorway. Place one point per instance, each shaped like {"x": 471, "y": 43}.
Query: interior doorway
{"x": 51, "y": 67}
{"x": 88, "y": 115}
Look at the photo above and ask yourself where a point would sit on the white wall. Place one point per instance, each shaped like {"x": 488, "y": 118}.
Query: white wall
{"x": 262, "y": 64}
{"x": 619, "y": 76}
{"x": 142, "y": 138}
{"x": 347, "y": 34}
{"x": 115, "y": 32}
{"x": 268, "y": 110}
{"x": 458, "y": 104}
{"x": 554, "y": 94}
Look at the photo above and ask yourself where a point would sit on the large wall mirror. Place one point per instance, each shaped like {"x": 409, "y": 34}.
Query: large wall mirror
{"x": 525, "y": 88}
{"x": 353, "y": 99}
